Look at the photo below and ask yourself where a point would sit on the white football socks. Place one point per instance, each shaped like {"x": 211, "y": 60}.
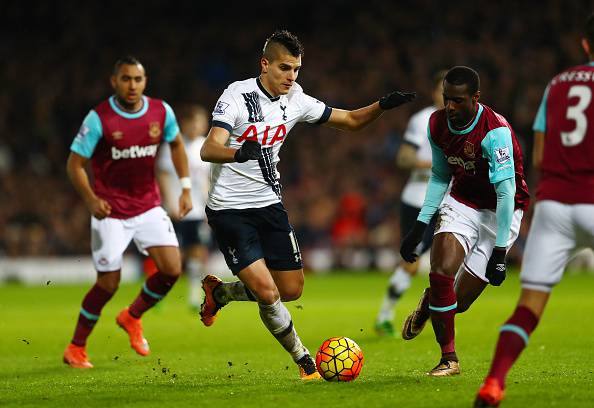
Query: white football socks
{"x": 230, "y": 291}
{"x": 195, "y": 272}
{"x": 399, "y": 282}
{"x": 277, "y": 320}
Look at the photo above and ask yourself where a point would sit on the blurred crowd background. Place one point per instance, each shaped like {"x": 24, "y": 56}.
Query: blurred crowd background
{"x": 341, "y": 190}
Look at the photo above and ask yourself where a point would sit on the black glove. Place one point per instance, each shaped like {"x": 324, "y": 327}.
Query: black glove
{"x": 496, "y": 266}
{"x": 395, "y": 99}
{"x": 411, "y": 241}
{"x": 249, "y": 150}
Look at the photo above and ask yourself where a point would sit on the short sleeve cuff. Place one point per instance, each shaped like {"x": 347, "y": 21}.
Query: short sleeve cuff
{"x": 224, "y": 125}
{"x": 325, "y": 116}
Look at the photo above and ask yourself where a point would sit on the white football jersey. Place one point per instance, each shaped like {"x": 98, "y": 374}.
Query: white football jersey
{"x": 199, "y": 174}
{"x": 416, "y": 135}
{"x": 249, "y": 112}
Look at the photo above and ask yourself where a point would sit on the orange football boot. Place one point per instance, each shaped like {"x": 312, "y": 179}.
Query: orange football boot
{"x": 490, "y": 394}
{"x": 76, "y": 357}
{"x": 307, "y": 368}
{"x": 133, "y": 327}
{"x": 210, "y": 307}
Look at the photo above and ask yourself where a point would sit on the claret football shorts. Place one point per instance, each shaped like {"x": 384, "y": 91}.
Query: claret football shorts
{"x": 475, "y": 230}
{"x": 111, "y": 236}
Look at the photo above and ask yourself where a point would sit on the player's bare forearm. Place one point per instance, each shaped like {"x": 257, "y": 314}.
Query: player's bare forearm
{"x": 179, "y": 157}
{"x": 79, "y": 178}
{"x": 356, "y": 119}
{"x": 214, "y": 149}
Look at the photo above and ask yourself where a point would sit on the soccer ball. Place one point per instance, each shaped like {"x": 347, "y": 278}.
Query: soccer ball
{"x": 339, "y": 359}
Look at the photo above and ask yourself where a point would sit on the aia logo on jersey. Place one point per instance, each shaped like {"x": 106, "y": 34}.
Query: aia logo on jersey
{"x": 251, "y": 133}
{"x": 154, "y": 129}
{"x": 469, "y": 149}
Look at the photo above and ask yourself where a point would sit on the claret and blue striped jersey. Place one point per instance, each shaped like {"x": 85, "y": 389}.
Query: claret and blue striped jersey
{"x": 249, "y": 112}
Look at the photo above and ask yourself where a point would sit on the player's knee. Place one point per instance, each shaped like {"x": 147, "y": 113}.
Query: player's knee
{"x": 265, "y": 291}
{"x": 172, "y": 268}
{"x": 267, "y": 295}
{"x": 109, "y": 285}
{"x": 291, "y": 293}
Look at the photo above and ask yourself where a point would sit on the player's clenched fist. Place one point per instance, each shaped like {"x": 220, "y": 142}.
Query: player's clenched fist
{"x": 249, "y": 150}
{"x": 395, "y": 99}
{"x": 411, "y": 241}
{"x": 99, "y": 208}
{"x": 185, "y": 203}
{"x": 496, "y": 267}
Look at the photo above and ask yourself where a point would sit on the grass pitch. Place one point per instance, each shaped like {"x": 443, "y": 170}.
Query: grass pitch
{"x": 237, "y": 363}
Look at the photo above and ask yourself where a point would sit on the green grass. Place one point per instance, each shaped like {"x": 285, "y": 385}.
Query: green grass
{"x": 237, "y": 363}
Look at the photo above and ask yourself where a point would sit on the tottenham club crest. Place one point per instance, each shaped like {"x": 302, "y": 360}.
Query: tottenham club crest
{"x": 154, "y": 129}
{"x": 469, "y": 149}
{"x": 232, "y": 252}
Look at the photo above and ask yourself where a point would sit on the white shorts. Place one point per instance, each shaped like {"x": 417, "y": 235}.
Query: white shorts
{"x": 476, "y": 230}
{"x": 111, "y": 236}
{"x": 557, "y": 231}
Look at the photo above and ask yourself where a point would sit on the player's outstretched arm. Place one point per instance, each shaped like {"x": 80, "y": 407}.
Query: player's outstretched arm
{"x": 80, "y": 180}
{"x": 354, "y": 120}
{"x": 214, "y": 149}
{"x": 180, "y": 162}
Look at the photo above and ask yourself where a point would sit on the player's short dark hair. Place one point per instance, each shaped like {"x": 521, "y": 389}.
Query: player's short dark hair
{"x": 589, "y": 29}
{"x": 461, "y": 75}
{"x": 127, "y": 60}
{"x": 287, "y": 40}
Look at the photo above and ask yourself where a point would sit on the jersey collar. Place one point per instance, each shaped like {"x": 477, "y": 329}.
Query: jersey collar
{"x": 472, "y": 125}
{"x": 265, "y": 92}
{"x": 129, "y": 115}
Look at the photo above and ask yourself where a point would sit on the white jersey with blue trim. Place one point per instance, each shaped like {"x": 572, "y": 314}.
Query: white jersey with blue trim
{"x": 249, "y": 112}
{"x": 414, "y": 191}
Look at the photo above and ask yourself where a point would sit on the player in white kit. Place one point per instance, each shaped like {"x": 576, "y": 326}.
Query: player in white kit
{"x": 414, "y": 155}
{"x": 193, "y": 233}
{"x": 250, "y": 122}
